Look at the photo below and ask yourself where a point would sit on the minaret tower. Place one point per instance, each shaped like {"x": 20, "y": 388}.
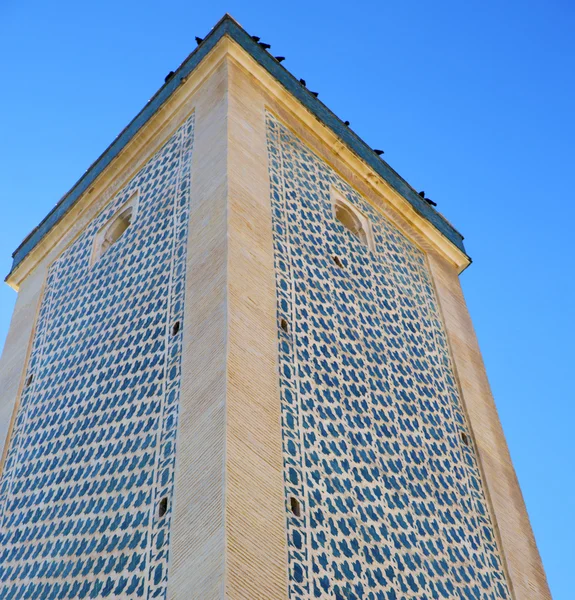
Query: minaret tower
{"x": 241, "y": 366}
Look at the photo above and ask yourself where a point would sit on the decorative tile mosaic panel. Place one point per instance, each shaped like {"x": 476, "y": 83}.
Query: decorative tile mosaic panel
{"x": 93, "y": 449}
{"x": 376, "y": 447}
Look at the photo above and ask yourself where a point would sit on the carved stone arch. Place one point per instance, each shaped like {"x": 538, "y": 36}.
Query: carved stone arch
{"x": 352, "y": 219}
{"x": 113, "y": 230}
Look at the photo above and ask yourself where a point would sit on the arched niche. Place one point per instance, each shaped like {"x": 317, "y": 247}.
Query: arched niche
{"x": 353, "y": 220}
{"x": 113, "y": 230}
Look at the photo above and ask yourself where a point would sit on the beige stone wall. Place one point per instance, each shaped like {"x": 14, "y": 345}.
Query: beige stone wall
{"x": 255, "y": 513}
{"x": 516, "y": 541}
{"x": 519, "y": 549}
{"x": 16, "y": 351}
{"x": 197, "y": 554}
{"x": 197, "y": 531}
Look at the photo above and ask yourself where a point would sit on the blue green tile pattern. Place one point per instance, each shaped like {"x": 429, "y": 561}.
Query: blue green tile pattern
{"x": 376, "y": 446}
{"x": 93, "y": 448}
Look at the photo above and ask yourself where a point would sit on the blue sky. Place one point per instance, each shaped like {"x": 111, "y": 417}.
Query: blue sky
{"x": 471, "y": 101}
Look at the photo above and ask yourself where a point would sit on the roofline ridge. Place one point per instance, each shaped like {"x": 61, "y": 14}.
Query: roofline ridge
{"x": 227, "y": 25}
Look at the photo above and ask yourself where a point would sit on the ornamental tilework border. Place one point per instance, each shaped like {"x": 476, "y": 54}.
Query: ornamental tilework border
{"x": 93, "y": 448}
{"x": 376, "y": 446}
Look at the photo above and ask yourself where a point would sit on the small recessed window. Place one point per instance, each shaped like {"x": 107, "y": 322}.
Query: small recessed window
{"x": 352, "y": 219}
{"x": 295, "y": 506}
{"x": 175, "y": 328}
{"x": 163, "y": 507}
{"x": 465, "y": 439}
{"x": 29, "y": 381}
{"x": 113, "y": 230}
{"x": 337, "y": 261}
{"x": 284, "y": 325}
{"x": 116, "y": 229}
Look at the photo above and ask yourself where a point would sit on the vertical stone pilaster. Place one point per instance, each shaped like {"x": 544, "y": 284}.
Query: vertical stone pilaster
{"x": 255, "y": 505}
{"x": 518, "y": 546}
{"x": 197, "y": 554}
{"x": 227, "y": 534}
{"x": 16, "y": 351}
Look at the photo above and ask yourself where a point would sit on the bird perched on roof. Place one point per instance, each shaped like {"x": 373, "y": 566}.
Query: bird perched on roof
{"x": 428, "y": 200}
{"x": 378, "y": 152}
{"x": 199, "y": 40}
{"x": 302, "y": 81}
{"x": 168, "y": 76}
{"x": 280, "y": 58}
{"x": 346, "y": 123}
{"x": 255, "y": 38}
{"x": 264, "y": 46}
{"x": 316, "y": 94}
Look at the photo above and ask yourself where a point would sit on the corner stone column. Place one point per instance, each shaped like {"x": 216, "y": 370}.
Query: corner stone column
{"x": 197, "y": 550}
{"x": 255, "y": 506}
{"x": 517, "y": 543}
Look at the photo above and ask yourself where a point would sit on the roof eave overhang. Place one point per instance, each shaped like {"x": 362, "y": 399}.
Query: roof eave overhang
{"x": 228, "y": 26}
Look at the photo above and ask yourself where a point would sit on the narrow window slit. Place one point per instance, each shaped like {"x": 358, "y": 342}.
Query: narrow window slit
{"x": 163, "y": 507}
{"x": 175, "y": 328}
{"x": 337, "y": 261}
{"x": 295, "y": 506}
{"x": 465, "y": 439}
{"x": 29, "y": 381}
{"x": 284, "y": 325}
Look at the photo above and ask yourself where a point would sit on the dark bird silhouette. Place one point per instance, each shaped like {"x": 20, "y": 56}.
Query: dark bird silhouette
{"x": 264, "y": 46}
{"x": 255, "y": 38}
{"x": 302, "y": 81}
{"x": 280, "y": 58}
{"x": 428, "y": 200}
{"x": 199, "y": 40}
{"x": 168, "y": 76}
{"x": 378, "y": 152}
{"x": 316, "y": 94}
{"x": 346, "y": 123}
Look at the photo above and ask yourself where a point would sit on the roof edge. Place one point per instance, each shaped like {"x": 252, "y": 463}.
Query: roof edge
{"x": 229, "y": 26}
